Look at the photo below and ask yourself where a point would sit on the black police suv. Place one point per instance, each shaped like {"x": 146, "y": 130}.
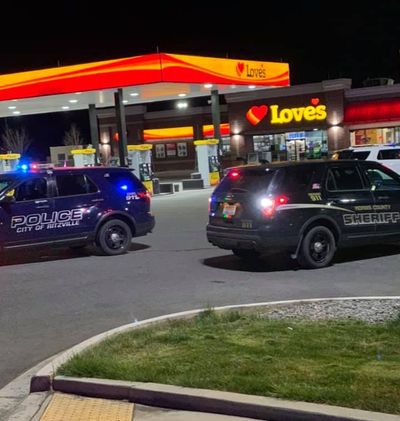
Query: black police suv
{"x": 308, "y": 208}
{"x": 75, "y": 207}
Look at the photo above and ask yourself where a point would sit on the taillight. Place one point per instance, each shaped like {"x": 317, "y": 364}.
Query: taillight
{"x": 269, "y": 204}
{"x": 144, "y": 195}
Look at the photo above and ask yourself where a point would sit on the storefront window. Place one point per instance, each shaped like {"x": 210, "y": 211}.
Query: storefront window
{"x": 375, "y": 136}
{"x": 292, "y": 146}
{"x": 226, "y": 144}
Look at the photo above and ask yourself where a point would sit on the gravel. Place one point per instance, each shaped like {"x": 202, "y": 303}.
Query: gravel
{"x": 368, "y": 310}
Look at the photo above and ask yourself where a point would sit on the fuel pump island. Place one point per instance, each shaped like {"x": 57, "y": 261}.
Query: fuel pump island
{"x": 207, "y": 161}
{"x": 139, "y": 159}
{"x": 9, "y": 161}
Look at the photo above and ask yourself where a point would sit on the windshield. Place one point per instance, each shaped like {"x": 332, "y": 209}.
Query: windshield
{"x": 5, "y": 183}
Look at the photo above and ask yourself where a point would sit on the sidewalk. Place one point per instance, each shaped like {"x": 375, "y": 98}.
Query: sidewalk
{"x": 61, "y": 398}
{"x": 65, "y": 407}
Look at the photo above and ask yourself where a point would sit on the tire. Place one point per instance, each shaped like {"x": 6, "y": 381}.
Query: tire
{"x": 317, "y": 248}
{"x": 114, "y": 237}
{"x": 246, "y": 254}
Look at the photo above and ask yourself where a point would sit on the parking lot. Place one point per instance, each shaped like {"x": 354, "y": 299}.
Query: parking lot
{"x": 53, "y": 299}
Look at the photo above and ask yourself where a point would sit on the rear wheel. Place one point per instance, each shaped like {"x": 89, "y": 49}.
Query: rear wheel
{"x": 318, "y": 248}
{"x": 246, "y": 254}
{"x": 114, "y": 237}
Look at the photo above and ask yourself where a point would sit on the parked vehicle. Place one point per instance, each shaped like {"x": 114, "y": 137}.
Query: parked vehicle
{"x": 388, "y": 155}
{"x": 308, "y": 208}
{"x": 74, "y": 207}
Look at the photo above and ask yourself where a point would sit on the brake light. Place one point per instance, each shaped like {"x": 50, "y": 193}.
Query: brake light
{"x": 234, "y": 174}
{"x": 269, "y": 204}
{"x": 281, "y": 200}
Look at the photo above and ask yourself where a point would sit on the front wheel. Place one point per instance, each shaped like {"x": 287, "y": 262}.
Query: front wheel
{"x": 317, "y": 248}
{"x": 114, "y": 237}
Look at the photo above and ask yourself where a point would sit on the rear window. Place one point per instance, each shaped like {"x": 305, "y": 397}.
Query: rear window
{"x": 74, "y": 185}
{"x": 344, "y": 178}
{"x": 351, "y": 154}
{"x": 247, "y": 180}
{"x": 389, "y": 154}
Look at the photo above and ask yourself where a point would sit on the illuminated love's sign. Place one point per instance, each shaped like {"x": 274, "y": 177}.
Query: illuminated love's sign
{"x": 277, "y": 115}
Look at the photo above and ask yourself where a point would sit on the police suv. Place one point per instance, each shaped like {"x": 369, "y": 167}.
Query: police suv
{"x": 75, "y": 207}
{"x": 308, "y": 208}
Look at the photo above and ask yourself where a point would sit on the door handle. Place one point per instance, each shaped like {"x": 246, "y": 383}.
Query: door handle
{"x": 383, "y": 197}
{"x": 97, "y": 200}
{"x": 44, "y": 204}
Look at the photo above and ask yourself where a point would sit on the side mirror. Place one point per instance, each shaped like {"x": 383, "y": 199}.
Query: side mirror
{"x": 377, "y": 184}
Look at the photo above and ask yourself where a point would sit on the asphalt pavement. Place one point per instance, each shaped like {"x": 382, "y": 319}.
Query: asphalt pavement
{"x": 53, "y": 299}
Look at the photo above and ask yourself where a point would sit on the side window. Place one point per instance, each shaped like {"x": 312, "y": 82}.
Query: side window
{"x": 344, "y": 177}
{"x": 382, "y": 180}
{"x": 74, "y": 184}
{"x": 389, "y": 154}
{"x": 33, "y": 189}
{"x": 124, "y": 181}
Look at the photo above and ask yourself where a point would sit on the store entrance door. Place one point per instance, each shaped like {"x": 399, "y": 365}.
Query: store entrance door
{"x": 295, "y": 149}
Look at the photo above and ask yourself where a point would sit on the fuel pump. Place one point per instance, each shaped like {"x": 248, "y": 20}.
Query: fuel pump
{"x": 9, "y": 161}
{"x": 84, "y": 157}
{"x": 207, "y": 161}
{"x": 139, "y": 159}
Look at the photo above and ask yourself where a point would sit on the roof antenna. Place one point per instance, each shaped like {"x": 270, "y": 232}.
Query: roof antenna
{"x": 157, "y": 49}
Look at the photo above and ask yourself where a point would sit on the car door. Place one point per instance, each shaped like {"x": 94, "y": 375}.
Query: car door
{"x": 27, "y": 212}
{"x": 76, "y": 204}
{"x": 350, "y": 197}
{"x": 385, "y": 187}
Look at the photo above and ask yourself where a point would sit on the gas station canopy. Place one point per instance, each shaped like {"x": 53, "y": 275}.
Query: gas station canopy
{"x": 146, "y": 78}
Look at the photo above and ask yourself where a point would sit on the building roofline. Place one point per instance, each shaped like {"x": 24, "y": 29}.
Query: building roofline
{"x": 373, "y": 92}
{"x": 308, "y": 88}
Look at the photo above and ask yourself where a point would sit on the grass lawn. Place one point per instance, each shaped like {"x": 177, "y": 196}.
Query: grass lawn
{"x": 347, "y": 363}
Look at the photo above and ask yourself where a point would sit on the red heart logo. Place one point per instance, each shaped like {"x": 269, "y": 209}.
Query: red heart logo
{"x": 239, "y": 68}
{"x": 315, "y": 101}
{"x": 256, "y": 114}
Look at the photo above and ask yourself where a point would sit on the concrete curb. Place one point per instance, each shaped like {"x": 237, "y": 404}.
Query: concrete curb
{"x": 41, "y": 382}
{"x": 211, "y": 401}
{"x": 168, "y": 396}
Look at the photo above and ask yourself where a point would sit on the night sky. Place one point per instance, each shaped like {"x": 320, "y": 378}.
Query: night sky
{"x": 354, "y": 39}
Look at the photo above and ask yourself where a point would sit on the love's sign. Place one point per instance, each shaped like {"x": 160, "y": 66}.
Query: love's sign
{"x": 277, "y": 115}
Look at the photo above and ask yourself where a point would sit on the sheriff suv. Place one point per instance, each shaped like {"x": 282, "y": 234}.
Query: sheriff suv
{"x": 308, "y": 208}
{"x": 74, "y": 207}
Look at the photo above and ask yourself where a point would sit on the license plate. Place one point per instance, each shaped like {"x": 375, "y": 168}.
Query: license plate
{"x": 229, "y": 210}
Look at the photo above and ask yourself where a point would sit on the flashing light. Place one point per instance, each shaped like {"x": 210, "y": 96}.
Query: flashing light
{"x": 24, "y": 167}
{"x": 124, "y": 187}
{"x": 34, "y": 166}
{"x": 269, "y": 204}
